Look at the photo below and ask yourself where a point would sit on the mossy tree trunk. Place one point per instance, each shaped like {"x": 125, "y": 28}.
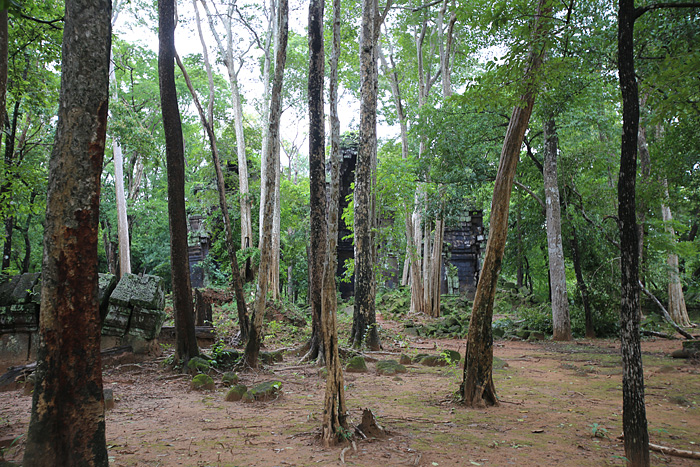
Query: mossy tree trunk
{"x": 67, "y": 425}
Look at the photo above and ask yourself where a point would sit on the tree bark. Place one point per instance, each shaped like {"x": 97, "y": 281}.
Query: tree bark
{"x": 252, "y": 350}
{"x": 561, "y": 322}
{"x": 364, "y": 328}
{"x": 67, "y": 425}
{"x": 334, "y": 407}
{"x": 186, "y": 342}
{"x": 634, "y": 420}
{"x": 676, "y": 299}
{"x": 317, "y": 173}
{"x": 477, "y": 388}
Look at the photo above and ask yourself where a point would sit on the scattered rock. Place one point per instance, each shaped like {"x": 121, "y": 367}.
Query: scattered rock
{"x": 680, "y": 400}
{"x": 434, "y": 360}
{"x": 229, "y": 379}
{"x": 452, "y": 355}
{"x": 680, "y": 353}
{"x": 228, "y": 357}
{"x": 266, "y": 391}
{"x": 202, "y": 382}
{"x": 198, "y": 365}
{"x": 356, "y": 364}
{"x": 368, "y": 427}
{"x": 109, "y": 398}
{"x": 389, "y": 367}
{"x": 499, "y": 364}
{"x": 536, "y": 336}
{"x": 269, "y": 358}
{"x": 236, "y": 393}
{"x": 418, "y": 357}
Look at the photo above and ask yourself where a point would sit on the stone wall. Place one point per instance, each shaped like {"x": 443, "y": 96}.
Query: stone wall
{"x": 131, "y": 310}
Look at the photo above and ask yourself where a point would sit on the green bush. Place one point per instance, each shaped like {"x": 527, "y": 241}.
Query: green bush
{"x": 536, "y": 318}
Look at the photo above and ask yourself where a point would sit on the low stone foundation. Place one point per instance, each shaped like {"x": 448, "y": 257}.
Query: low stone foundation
{"x": 131, "y": 310}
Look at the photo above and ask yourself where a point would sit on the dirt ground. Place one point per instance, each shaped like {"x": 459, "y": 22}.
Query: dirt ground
{"x": 554, "y": 399}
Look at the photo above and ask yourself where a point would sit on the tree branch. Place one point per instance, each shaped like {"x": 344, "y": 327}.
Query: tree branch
{"x": 531, "y": 193}
{"x": 50, "y": 23}
{"x": 657, "y": 6}
{"x": 664, "y": 313}
{"x": 427, "y": 5}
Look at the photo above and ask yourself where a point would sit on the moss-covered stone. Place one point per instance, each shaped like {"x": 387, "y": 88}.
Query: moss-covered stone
{"x": 109, "y": 398}
{"x": 499, "y": 364}
{"x": 236, "y": 393}
{"x": 228, "y": 357}
{"x": 229, "y": 379}
{"x": 269, "y": 358}
{"x": 452, "y": 355}
{"x": 146, "y": 323}
{"x": 434, "y": 360}
{"x": 266, "y": 391}
{"x": 116, "y": 321}
{"x": 105, "y": 286}
{"x": 202, "y": 382}
{"x": 198, "y": 365}
{"x": 389, "y": 367}
{"x": 356, "y": 364}
{"x": 418, "y": 357}
{"x": 405, "y": 359}
{"x": 536, "y": 336}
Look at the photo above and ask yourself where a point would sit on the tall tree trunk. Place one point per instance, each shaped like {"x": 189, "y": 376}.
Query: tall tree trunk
{"x": 561, "y": 322}
{"x": 417, "y": 305}
{"x": 583, "y": 288}
{"x": 477, "y": 388}
{"x": 317, "y": 173}
{"x": 27, "y": 240}
{"x": 6, "y": 186}
{"x": 393, "y": 77}
{"x": 642, "y": 208}
{"x": 236, "y": 278}
{"x": 122, "y": 220}
{"x": 252, "y": 350}
{"x": 227, "y": 56}
{"x": 634, "y": 419}
{"x": 334, "y": 407}
{"x": 676, "y": 299}
{"x": 186, "y": 342}
{"x": 364, "y": 328}
{"x": 4, "y": 47}
{"x": 67, "y": 425}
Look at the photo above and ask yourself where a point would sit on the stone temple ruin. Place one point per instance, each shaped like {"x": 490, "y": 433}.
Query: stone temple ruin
{"x": 131, "y": 311}
{"x": 462, "y": 240}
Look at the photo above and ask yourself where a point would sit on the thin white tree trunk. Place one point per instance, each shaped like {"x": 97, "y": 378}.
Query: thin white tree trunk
{"x": 122, "y": 219}
{"x": 226, "y": 52}
{"x": 676, "y": 299}
{"x": 557, "y": 271}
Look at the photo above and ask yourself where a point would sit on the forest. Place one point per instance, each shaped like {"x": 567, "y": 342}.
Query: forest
{"x": 407, "y": 232}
